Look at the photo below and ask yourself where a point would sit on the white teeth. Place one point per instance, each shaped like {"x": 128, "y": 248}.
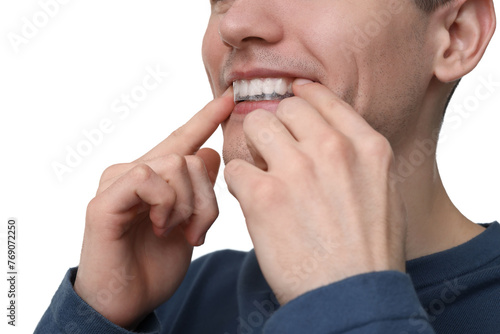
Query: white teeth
{"x": 268, "y": 87}
{"x": 254, "y": 87}
{"x": 281, "y": 88}
{"x": 262, "y": 89}
{"x": 243, "y": 87}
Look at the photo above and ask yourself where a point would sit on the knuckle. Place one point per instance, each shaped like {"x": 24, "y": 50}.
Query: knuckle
{"x": 378, "y": 147}
{"x": 302, "y": 163}
{"x": 205, "y": 199}
{"x": 141, "y": 172}
{"x": 335, "y": 102}
{"x": 233, "y": 169}
{"x": 332, "y": 103}
{"x": 335, "y": 146}
{"x": 195, "y": 163}
{"x": 267, "y": 190}
{"x": 184, "y": 210}
{"x": 169, "y": 197}
{"x": 212, "y": 213}
{"x": 175, "y": 162}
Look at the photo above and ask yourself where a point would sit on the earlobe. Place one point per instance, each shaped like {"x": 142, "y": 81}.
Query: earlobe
{"x": 466, "y": 29}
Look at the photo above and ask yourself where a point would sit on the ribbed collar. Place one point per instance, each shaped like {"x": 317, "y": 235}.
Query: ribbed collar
{"x": 457, "y": 261}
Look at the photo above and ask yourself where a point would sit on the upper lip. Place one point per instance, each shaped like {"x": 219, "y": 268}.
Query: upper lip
{"x": 261, "y": 73}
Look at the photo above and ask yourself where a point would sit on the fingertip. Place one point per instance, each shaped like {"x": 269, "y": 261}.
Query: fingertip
{"x": 212, "y": 160}
{"x": 161, "y": 232}
{"x": 228, "y": 97}
{"x": 229, "y": 91}
{"x": 157, "y": 218}
{"x": 209, "y": 156}
{"x": 301, "y": 86}
{"x": 201, "y": 240}
{"x": 224, "y": 105}
{"x": 194, "y": 236}
{"x": 302, "y": 82}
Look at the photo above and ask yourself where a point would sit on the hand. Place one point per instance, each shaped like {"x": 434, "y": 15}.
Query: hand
{"x": 318, "y": 203}
{"x": 145, "y": 219}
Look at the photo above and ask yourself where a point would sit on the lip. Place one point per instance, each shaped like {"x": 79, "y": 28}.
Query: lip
{"x": 242, "y": 109}
{"x": 246, "y": 107}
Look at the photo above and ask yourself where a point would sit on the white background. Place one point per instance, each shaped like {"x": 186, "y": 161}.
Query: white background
{"x": 65, "y": 80}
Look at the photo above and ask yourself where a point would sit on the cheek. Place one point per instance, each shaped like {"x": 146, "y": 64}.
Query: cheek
{"x": 205, "y": 47}
{"x": 327, "y": 45}
{"x": 390, "y": 91}
{"x": 212, "y": 54}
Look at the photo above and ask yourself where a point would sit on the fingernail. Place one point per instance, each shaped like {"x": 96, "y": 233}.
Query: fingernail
{"x": 201, "y": 241}
{"x": 302, "y": 82}
{"x": 228, "y": 91}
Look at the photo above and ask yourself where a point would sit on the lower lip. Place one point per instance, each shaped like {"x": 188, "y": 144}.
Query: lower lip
{"x": 246, "y": 107}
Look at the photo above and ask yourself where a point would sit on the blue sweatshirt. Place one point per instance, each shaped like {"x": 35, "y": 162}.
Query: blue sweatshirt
{"x": 456, "y": 291}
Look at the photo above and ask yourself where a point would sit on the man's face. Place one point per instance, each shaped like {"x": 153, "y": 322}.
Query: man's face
{"x": 372, "y": 53}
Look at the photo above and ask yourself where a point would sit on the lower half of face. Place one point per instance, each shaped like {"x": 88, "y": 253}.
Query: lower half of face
{"x": 393, "y": 113}
{"x": 374, "y": 58}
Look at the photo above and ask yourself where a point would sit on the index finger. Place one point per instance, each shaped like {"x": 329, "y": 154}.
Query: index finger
{"x": 332, "y": 108}
{"x": 188, "y": 139}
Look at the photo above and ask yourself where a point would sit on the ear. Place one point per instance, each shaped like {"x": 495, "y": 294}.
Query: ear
{"x": 465, "y": 28}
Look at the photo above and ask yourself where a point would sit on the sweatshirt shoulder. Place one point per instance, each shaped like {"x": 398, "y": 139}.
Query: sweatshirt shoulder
{"x": 229, "y": 255}
{"x": 216, "y": 264}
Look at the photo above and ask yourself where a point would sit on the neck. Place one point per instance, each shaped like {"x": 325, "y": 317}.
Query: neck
{"x": 434, "y": 223}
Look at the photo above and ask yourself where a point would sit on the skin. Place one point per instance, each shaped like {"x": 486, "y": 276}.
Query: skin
{"x": 403, "y": 103}
{"x": 369, "y": 109}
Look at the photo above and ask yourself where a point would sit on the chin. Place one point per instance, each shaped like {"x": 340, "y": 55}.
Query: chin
{"x": 236, "y": 150}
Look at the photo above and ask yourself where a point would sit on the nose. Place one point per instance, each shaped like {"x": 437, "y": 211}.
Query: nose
{"x": 251, "y": 21}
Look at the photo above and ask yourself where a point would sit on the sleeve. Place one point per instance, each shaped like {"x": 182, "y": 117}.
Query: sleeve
{"x": 373, "y": 303}
{"x": 69, "y": 314}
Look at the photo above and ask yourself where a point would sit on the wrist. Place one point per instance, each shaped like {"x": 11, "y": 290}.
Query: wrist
{"x": 119, "y": 311}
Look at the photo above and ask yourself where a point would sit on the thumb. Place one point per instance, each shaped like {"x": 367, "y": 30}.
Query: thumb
{"x": 212, "y": 162}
